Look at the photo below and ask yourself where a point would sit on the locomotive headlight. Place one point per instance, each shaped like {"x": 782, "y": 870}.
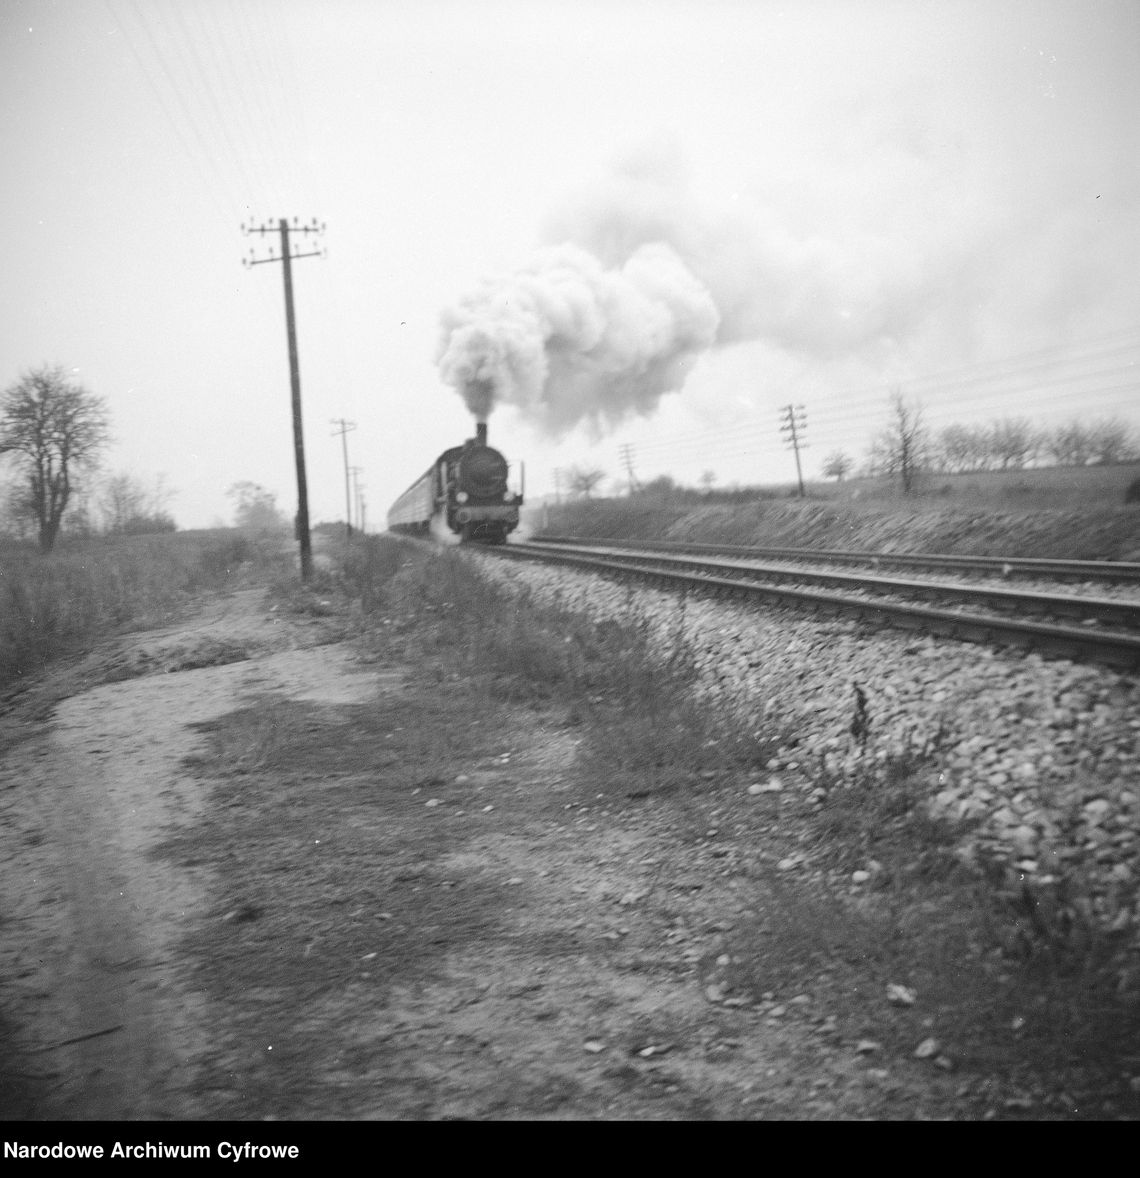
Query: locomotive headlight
{"x": 461, "y": 497}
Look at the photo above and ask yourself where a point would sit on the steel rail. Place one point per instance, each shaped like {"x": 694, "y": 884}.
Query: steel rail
{"x": 1117, "y": 650}
{"x": 1006, "y": 566}
{"x": 1102, "y": 609}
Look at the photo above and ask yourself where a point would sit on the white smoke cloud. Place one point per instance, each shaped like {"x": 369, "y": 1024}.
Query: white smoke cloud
{"x": 566, "y": 339}
{"x": 640, "y": 277}
{"x": 812, "y": 294}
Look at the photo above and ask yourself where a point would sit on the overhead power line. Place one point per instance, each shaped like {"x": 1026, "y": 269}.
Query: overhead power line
{"x": 855, "y": 410}
{"x": 195, "y": 149}
{"x": 225, "y": 78}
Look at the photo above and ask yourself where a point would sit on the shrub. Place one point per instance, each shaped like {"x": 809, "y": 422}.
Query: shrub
{"x": 60, "y": 603}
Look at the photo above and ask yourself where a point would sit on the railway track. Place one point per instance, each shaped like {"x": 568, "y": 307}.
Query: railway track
{"x": 1080, "y": 627}
{"x": 1116, "y": 571}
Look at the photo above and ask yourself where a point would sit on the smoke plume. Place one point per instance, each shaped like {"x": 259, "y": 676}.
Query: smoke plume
{"x": 814, "y": 295}
{"x": 566, "y": 339}
{"x": 641, "y": 277}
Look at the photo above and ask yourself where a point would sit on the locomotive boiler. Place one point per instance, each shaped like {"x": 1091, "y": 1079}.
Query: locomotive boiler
{"x": 465, "y": 491}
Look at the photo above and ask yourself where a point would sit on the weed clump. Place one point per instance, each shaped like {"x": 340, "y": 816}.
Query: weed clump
{"x": 629, "y": 689}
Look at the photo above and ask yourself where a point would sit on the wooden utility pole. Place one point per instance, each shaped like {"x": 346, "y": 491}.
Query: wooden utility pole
{"x": 793, "y": 424}
{"x": 283, "y": 228}
{"x": 346, "y": 427}
{"x": 357, "y": 487}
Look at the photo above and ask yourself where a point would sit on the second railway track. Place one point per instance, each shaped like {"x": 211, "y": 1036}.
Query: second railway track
{"x": 1117, "y": 571}
{"x": 1079, "y": 627}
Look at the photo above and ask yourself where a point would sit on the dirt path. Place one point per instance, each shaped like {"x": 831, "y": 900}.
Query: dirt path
{"x": 256, "y": 878}
{"x": 92, "y": 917}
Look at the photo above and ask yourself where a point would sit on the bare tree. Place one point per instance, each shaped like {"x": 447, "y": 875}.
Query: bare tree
{"x": 707, "y": 480}
{"x": 1111, "y": 440}
{"x": 838, "y": 465}
{"x": 1013, "y": 441}
{"x": 1069, "y": 444}
{"x": 255, "y": 508}
{"x": 961, "y": 447}
{"x": 128, "y": 507}
{"x": 15, "y": 511}
{"x": 951, "y": 447}
{"x": 903, "y": 447}
{"x": 583, "y": 479}
{"x": 121, "y": 498}
{"x": 55, "y": 428}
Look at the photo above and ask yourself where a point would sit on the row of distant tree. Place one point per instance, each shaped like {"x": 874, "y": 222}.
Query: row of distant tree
{"x": 56, "y": 431}
{"x": 53, "y": 433}
{"x": 101, "y": 504}
{"x": 907, "y": 447}
{"x": 1011, "y": 443}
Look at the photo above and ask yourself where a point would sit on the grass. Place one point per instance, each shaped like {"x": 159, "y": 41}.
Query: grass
{"x": 1065, "y": 487}
{"x": 643, "y": 729}
{"x": 60, "y": 604}
{"x": 1076, "y": 513}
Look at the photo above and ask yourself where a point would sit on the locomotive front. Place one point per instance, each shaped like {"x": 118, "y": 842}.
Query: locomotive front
{"x": 479, "y": 504}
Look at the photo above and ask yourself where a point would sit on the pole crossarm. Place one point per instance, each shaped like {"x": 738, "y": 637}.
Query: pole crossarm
{"x": 251, "y": 261}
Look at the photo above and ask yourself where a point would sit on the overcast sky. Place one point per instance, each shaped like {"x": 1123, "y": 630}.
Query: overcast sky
{"x": 656, "y": 222}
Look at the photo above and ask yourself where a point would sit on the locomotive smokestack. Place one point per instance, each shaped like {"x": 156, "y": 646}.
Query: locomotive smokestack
{"x": 481, "y": 433}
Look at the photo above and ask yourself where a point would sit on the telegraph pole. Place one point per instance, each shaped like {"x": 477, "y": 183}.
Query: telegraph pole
{"x": 793, "y": 424}
{"x": 626, "y": 454}
{"x": 346, "y": 427}
{"x": 283, "y": 228}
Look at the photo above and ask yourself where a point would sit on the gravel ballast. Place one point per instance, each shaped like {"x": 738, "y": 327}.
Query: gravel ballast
{"x": 1038, "y": 759}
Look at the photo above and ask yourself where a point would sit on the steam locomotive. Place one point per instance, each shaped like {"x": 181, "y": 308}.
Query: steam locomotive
{"x": 465, "y": 490}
